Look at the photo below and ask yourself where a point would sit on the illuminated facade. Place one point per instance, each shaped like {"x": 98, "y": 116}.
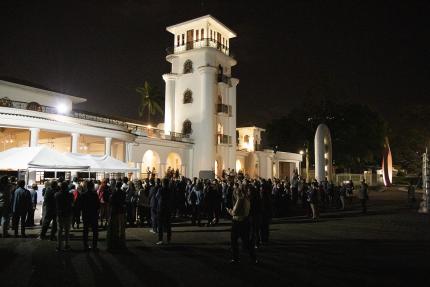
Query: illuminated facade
{"x": 199, "y": 131}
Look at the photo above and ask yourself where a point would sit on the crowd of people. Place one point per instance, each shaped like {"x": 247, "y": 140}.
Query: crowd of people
{"x": 114, "y": 204}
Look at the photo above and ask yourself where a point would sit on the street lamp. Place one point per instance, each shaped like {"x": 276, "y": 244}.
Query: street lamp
{"x": 306, "y": 153}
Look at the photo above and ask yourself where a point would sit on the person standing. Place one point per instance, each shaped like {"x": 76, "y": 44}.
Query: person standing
{"x": 5, "y": 200}
{"x": 195, "y": 200}
{"x": 240, "y": 225}
{"x": 49, "y": 210}
{"x": 266, "y": 212}
{"x": 153, "y": 191}
{"x": 64, "y": 201}
{"x": 115, "y": 237}
{"x": 103, "y": 194}
{"x": 342, "y": 196}
{"x": 20, "y": 207}
{"x": 76, "y": 191}
{"x": 33, "y": 194}
{"x": 363, "y": 195}
{"x": 164, "y": 197}
{"x": 313, "y": 199}
{"x": 90, "y": 209}
{"x": 255, "y": 214}
{"x": 143, "y": 202}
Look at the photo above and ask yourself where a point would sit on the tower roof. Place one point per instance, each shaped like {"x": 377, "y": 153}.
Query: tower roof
{"x": 204, "y": 20}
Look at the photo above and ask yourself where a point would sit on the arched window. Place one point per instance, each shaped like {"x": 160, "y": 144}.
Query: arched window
{"x": 186, "y": 127}
{"x": 202, "y": 34}
{"x": 188, "y": 97}
{"x": 197, "y": 35}
{"x": 188, "y": 67}
{"x": 246, "y": 138}
{"x": 177, "y": 40}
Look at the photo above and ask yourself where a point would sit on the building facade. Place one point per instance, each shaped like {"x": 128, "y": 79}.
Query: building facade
{"x": 198, "y": 136}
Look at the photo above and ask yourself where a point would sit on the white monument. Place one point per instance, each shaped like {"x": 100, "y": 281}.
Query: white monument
{"x": 323, "y": 153}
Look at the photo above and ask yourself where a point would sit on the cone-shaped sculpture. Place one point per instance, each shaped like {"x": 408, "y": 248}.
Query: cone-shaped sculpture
{"x": 323, "y": 153}
{"x": 387, "y": 164}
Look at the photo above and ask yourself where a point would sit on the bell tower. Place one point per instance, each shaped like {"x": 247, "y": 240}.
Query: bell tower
{"x": 200, "y": 94}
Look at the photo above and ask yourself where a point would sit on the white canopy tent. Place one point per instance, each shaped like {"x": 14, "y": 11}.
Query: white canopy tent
{"x": 38, "y": 158}
{"x": 103, "y": 163}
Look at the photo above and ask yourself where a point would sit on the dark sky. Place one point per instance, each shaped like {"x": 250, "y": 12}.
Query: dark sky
{"x": 101, "y": 50}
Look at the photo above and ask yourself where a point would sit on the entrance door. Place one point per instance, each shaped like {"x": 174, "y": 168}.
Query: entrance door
{"x": 190, "y": 39}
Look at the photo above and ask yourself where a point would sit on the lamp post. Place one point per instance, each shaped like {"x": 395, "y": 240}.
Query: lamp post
{"x": 306, "y": 153}
{"x": 424, "y": 206}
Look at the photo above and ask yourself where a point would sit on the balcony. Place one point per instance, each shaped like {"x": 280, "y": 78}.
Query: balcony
{"x": 223, "y": 139}
{"x": 202, "y": 43}
{"x": 224, "y": 109}
{"x": 33, "y": 109}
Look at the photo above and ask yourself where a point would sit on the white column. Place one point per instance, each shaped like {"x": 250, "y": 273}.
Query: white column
{"x": 34, "y": 136}
{"x": 169, "y": 106}
{"x": 136, "y": 174}
{"x": 75, "y": 141}
{"x": 108, "y": 146}
{"x": 205, "y": 144}
{"x": 232, "y": 122}
{"x": 127, "y": 151}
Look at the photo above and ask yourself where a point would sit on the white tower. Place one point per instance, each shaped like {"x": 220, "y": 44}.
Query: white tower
{"x": 201, "y": 94}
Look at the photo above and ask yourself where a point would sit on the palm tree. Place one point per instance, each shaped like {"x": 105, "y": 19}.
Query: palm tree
{"x": 150, "y": 101}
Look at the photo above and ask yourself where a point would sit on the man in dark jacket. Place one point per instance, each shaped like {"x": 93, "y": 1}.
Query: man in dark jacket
{"x": 164, "y": 197}
{"x": 20, "y": 207}
{"x": 49, "y": 210}
{"x": 64, "y": 201}
{"x": 90, "y": 209}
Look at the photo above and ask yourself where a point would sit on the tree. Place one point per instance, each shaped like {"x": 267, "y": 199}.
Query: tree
{"x": 150, "y": 101}
{"x": 410, "y": 135}
{"x": 357, "y": 132}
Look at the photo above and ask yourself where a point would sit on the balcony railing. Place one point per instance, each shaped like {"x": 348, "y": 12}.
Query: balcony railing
{"x": 224, "y": 109}
{"x": 175, "y": 135}
{"x": 205, "y": 42}
{"x": 132, "y": 128}
{"x": 223, "y": 139}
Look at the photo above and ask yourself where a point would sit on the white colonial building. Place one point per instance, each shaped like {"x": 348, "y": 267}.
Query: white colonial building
{"x": 198, "y": 136}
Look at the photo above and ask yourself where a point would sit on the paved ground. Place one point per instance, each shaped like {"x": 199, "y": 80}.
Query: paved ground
{"x": 389, "y": 246}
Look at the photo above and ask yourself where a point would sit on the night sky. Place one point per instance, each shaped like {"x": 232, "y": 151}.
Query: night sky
{"x": 378, "y": 53}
